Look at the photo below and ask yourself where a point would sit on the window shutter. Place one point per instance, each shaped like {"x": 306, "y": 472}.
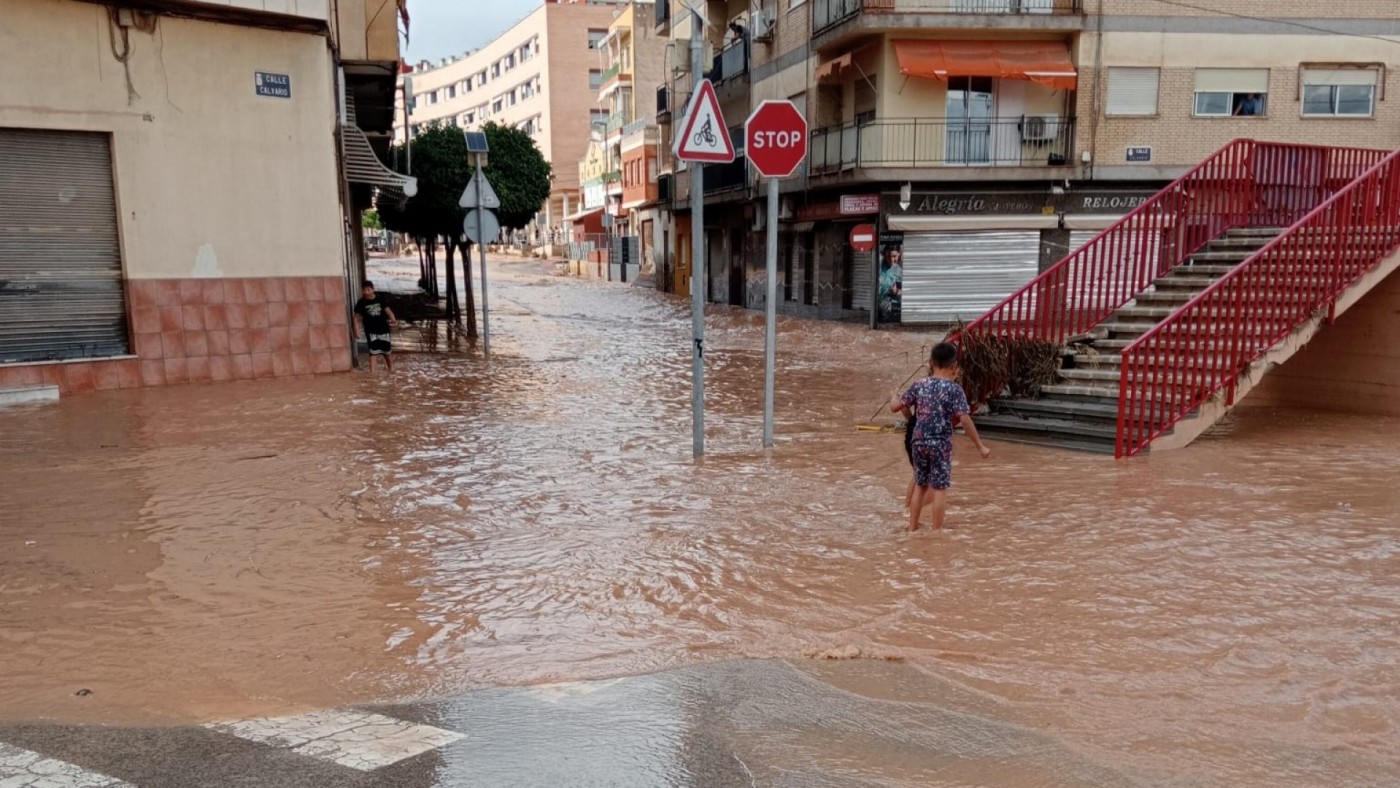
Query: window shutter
{"x": 1133, "y": 91}
{"x": 1341, "y": 76}
{"x": 1232, "y": 80}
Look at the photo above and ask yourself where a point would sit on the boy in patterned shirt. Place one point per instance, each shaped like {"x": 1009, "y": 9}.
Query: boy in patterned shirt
{"x": 939, "y": 406}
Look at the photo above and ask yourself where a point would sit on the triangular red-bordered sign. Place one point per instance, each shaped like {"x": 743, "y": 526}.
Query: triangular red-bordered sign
{"x": 704, "y": 136}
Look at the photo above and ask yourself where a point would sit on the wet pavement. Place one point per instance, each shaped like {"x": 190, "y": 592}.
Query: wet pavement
{"x": 459, "y": 539}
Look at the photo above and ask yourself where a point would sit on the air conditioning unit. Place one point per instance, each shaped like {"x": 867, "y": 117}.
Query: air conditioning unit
{"x": 1040, "y": 128}
{"x": 761, "y": 23}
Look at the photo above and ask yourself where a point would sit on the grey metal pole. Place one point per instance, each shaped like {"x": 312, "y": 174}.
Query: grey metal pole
{"x": 481, "y": 248}
{"x": 697, "y": 252}
{"x": 770, "y": 352}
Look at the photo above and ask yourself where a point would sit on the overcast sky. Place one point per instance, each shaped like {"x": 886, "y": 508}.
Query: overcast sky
{"x": 451, "y": 27}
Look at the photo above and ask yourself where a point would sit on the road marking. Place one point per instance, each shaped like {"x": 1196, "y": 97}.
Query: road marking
{"x": 359, "y": 740}
{"x": 24, "y": 769}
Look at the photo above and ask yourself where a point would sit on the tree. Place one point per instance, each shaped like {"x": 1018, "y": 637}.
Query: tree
{"x": 517, "y": 172}
{"x": 371, "y": 220}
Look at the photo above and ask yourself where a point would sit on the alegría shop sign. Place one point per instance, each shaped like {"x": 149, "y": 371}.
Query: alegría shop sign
{"x": 1011, "y": 203}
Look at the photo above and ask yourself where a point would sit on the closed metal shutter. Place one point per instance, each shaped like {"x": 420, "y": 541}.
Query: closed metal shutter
{"x": 862, "y": 280}
{"x": 1077, "y": 239}
{"x": 61, "y": 291}
{"x": 960, "y": 275}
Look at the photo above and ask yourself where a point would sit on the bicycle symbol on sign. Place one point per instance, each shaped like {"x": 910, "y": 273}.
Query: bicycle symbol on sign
{"x": 706, "y": 135}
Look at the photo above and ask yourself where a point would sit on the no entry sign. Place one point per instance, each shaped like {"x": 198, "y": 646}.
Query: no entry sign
{"x": 775, "y": 139}
{"x": 863, "y": 237}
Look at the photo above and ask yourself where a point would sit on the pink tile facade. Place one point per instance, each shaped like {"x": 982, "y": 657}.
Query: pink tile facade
{"x": 201, "y": 330}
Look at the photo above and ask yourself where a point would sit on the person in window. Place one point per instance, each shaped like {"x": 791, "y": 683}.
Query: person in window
{"x": 1251, "y": 106}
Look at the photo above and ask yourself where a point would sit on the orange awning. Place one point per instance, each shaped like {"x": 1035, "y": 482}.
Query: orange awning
{"x": 1043, "y": 62}
{"x": 834, "y": 67}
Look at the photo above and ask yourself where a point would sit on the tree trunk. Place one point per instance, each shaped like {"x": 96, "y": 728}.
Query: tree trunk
{"x": 467, "y": 286}
{"x": 454, "y": 309}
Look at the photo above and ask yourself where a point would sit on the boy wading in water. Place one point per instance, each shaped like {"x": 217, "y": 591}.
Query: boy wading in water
{"x": 939, "y": 406}
{"x": 376, "y": 318}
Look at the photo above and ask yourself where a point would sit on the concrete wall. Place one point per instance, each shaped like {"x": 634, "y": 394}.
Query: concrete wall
{"x": 1352, "y": 366}
{"x": 211, "y": 179}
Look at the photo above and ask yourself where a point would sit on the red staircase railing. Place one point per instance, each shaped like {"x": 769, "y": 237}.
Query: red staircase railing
{"x": 1244, "y": 184}
{"x": 1204, "y": 347}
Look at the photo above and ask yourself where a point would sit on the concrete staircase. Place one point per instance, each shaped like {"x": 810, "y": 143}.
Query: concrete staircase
{"x": 1080, "y": 409}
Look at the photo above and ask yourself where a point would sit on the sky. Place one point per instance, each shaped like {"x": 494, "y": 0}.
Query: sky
{"x": 451, "y": 27}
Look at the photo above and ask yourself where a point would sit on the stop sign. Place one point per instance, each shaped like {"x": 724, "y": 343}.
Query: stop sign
{"x": 775, "y": 138}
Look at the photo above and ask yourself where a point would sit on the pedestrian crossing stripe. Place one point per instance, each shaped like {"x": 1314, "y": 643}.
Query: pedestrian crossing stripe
{"x": 21, "y": 768}
{"x": 356, "y": 739}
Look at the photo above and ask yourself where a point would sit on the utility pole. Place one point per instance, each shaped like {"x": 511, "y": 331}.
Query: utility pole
{"x": 697, "y": 250}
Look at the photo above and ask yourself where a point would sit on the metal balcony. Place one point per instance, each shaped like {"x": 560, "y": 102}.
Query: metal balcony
{"x": 827, "y": 14}
{"x": 1028, "y": 141}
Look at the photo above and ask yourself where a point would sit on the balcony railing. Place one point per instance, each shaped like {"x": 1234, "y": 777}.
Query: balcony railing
{"x": 727, "y": 177}
{"x": 731, "y": 62}
{"x": 1029, "y": 141}
{"x": 827, "y": 14}
{"x": 635, "y": 126}
{"x": 617, "y": 121}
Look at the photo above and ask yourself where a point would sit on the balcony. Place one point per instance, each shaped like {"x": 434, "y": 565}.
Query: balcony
{"x": 730, "y": 63}
{"x": 721, "y": 178}
{"x": 617, "y": 122}
{"x": 830, "y": 14}
{"x": 1028, "y": 141}
{"x": 663, "y": 17}
{"x": 663, "y": 104}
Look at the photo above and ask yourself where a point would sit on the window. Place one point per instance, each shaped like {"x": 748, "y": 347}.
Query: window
{"x": 1226, "y": 92}
{"x": 452, "y": 91}
{"x": 598, "y": 117}
{"x": 481, "y": 78}
{"x": 497, "y": 105}
{"x": 510, "y": 97}
{"x": 1133, "y": 91}
{"x": 468, "y": 118}
{"x": 496, "y": 69}
{"x": 466, "y": 86}
{"x": 1339, "y": 92}
{"x": 595, "y": 78}
{"x": 595, "y": 37}
{"x": 865, "y": 99}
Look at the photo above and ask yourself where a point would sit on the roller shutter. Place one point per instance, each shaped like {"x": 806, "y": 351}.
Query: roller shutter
{"x": 952, "y": 275}
{"x": 61, "y": 294}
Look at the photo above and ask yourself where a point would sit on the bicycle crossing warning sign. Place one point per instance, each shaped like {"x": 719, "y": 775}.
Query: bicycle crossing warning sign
{"x": 704, "y": 136}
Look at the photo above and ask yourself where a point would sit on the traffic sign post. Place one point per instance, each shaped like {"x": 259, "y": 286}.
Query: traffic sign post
{"x": 704, "y": 138}
{"x": 775, "y": 140}
{"x": 481, "y": 224}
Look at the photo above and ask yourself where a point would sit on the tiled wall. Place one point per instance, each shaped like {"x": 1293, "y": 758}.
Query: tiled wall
{"x": 200, "y": 330}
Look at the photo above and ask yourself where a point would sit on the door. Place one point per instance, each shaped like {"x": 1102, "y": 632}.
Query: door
{"x": 970, "y": 112}
{"x": 736, "y": 268}
{"x": 61, "y": 289}
{"x": 960, "y": 275}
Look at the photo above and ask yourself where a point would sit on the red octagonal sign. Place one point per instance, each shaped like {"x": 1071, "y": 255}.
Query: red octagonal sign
{"x": 775, "y": 139}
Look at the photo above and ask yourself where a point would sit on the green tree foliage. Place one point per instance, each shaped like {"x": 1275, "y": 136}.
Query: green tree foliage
{"x": 519, "y": 174}
{"x": 371, "y": 220}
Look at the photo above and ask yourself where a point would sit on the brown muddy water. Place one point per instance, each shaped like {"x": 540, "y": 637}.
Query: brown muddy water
{"x": 1225, "y": 615}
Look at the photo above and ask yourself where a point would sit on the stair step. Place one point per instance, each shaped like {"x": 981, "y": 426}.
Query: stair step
{"x": 1115, "y": 361}
{"x": 1228, "y": 243}
{"x": 1134, "y": 329}
{"x": 28, "y": 395}
{"x": 1138, "y": 313}
{"x": 1074, "y": 429}
{"x": 1223, "y": 256}
{"x": 1255, "y": 232}
{"x": 1202, "y": 269}
{"x": 1056, "y": 408}
{"x": 1183, "y": 281}
{"x": 1052, "y": 441}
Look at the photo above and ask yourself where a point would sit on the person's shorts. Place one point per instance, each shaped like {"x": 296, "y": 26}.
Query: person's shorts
{"x": 379, "y": 344}
{"x": 933, "y": 464}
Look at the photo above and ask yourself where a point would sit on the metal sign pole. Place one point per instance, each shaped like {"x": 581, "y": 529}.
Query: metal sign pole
{"x": 481, "y": 247}
{"x": 770, "y": 351}
{"x": 697, "y": 253}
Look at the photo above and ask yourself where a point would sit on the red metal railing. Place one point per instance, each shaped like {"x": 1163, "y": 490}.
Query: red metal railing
{"x": 1244, "y": 184}
{"x": 1205, "y": 346}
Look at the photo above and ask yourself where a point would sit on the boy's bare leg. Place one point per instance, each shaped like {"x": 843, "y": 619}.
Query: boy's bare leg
{"x": 939, "y": 499}
{"x": 389, "y": 362}
{"x": 909, "y": 495}
{"x": 373, "y": 363}
{"x": 917, "y": 507}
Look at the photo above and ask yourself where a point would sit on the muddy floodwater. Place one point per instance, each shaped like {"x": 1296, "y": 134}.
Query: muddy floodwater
{"x": 1223, "y": 615}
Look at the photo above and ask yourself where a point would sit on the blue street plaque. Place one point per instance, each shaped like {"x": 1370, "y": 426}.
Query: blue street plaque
{"x": 272, "y": 85}
{"x": 1140, "y": 155}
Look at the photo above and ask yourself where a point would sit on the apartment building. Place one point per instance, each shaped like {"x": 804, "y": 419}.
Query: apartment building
{"x": 541, "y": 76}
{"x": 181, "y": 208}
{"x": 619, "y": 171}
{"x": 987, "y": 139}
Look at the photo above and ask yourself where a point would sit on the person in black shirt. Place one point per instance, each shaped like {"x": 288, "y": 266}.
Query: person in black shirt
{"x": 376, "y": 320}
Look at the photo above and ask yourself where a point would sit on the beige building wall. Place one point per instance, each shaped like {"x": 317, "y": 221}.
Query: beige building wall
{"x": 1180, "y": 140}
{"x": 561, "y": 105}
{"x": 1352, "y": 366}
{"x": 211, "y": 179}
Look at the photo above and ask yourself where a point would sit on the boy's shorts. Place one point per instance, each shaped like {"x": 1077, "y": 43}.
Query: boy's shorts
{"x": 379, "y": 344}
{"x": 933, "y": 464}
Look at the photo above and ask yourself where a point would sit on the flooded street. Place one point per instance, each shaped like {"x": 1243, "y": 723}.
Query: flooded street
{"x": 1224, "y": 615}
